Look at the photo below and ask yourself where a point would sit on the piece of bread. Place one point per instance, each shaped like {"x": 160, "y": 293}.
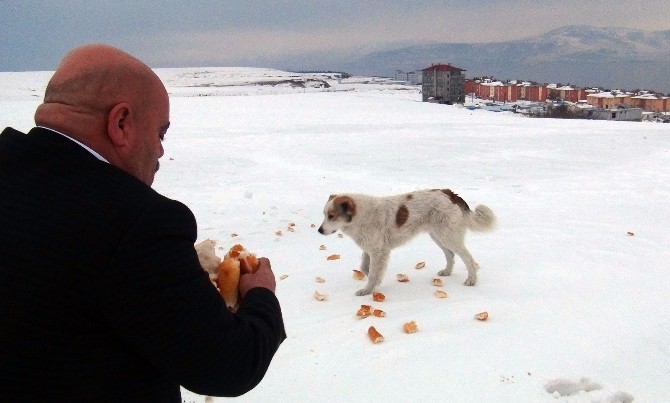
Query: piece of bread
{"x": 236, "y": 262}
{"x": 248, "y": 261}
{"x": 374, "y": 335}
{"x": 410, "y": 327}
{"x": 228, "y": 281}
{"x": 364, "y": 311}
{"x": 207, "y": 255}
{"x": 482, "y": 316}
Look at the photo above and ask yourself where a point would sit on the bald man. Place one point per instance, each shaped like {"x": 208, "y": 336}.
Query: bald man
{"x": 102, "y": 297}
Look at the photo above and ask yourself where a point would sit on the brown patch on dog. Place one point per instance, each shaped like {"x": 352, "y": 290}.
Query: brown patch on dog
{"x": 456, "y": 199}
{"x": 401, "y": 216}
{"x": 344, "y": 206}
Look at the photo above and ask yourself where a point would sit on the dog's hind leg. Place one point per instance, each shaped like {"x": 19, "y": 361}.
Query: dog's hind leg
{"x": 452, "y": 246}
{"x": 377, "y": 268}
{"x": 448, "y": 254}
{"x": 470, "y": 263}
{"x": 365, "y": 263}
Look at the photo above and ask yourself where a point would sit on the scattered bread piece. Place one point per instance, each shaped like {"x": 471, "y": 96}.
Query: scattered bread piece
{"x": 420, "y": 265}
{"x": 291, "y": 224}
{"x": 278, "y": 233}
{"x": 340, "y": 236}
{"x": 440, "y": 294}
{"x": 358, "y": 275}
{"x": 378, "y": 296}
{"x": 333, "y": 257}
{"x": 313, "y": 225}
{"x": 379, "y": 313}
{"x": 320, "y": 280}
{"x": 283, "y": 277}
{"x": 402, "y": 277}
{"x": 364, "y": 311}
{"x": 322, "y": 247}
{"x": 319, "y": 297}
{"x": 410, "y": 327}
{"x": 290, "y": 229}
{"x": 437, "y": 282}
{"x": 374, "y": 335}
{"x": 631, "y": 233}
{"x": 233, "y": 235}
{"x": 482, "y": 316}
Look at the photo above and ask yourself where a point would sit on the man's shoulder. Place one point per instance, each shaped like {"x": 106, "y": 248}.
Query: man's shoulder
{"x": 9, "y": 134}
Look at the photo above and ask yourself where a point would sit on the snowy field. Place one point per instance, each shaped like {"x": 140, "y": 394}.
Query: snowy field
{"x": 575, "y": 279}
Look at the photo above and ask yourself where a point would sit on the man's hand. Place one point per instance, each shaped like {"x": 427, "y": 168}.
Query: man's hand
{"x": 263, "y": 277}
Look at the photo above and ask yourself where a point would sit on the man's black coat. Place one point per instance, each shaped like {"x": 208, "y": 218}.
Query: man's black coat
{"x": 102, "y": 297}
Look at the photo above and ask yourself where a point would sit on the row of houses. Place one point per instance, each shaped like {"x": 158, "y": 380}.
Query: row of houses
{"x": 444, "y": 83}
{"x": 514, "y": 91}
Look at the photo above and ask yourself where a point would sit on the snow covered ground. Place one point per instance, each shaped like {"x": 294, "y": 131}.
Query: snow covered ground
{"x": 575, "y": 279}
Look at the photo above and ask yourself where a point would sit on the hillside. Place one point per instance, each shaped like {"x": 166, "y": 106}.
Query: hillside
{"x": 579, "y": 55}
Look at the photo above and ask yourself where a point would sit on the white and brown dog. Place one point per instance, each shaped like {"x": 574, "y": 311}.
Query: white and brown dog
{"x": 379, "y": 224}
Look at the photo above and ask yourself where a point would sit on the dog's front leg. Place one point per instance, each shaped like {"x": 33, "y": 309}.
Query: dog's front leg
{"x": 365, "y": 263}
{"x": 377, "y": 268}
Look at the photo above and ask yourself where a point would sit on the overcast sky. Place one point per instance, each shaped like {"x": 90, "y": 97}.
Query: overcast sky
{"x": 36, "y": 34}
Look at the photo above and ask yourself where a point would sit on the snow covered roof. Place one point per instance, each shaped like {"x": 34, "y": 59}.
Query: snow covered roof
{"x": 608, "y": 95}
{"x": 442, "y": 67}
{"x": 648, "y": 96}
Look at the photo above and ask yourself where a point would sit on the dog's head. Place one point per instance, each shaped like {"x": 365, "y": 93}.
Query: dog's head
{"x": 338, "y": 213}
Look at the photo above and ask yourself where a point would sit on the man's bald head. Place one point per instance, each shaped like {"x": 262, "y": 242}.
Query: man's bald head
{"x": 93, "y": 78}
{"x": 111, "y": 102}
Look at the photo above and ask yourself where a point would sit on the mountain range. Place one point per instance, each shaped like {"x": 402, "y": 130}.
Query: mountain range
{"x": 584, "y": 56}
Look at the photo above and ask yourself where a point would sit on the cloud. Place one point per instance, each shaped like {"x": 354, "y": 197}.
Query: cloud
{"x": 231, "y": 32}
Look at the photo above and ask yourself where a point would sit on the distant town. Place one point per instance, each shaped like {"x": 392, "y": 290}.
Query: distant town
{"x": 444, "y": 83}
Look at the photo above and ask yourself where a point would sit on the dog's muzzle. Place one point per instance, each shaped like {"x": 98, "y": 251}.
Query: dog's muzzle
{"x": 323, "y": 231}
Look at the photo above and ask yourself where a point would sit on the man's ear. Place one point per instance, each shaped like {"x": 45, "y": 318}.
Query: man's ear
{"x": 119, "y": 124}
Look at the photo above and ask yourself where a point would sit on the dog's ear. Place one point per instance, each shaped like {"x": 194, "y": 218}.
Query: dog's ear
{"x": 345, "y": 206}
{"x": 331, "y": 197}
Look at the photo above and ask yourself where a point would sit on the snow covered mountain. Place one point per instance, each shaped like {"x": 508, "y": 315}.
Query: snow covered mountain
{"x": 579, "y": 55}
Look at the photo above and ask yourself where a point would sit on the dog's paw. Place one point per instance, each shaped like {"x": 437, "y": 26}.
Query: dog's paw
{"x": 363, "y": 291}
{"x": 445, "y": 272}
{"x": 470, "y": 281}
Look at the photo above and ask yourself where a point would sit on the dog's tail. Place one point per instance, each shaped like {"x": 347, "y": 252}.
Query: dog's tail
{"x": 481, "y": 219}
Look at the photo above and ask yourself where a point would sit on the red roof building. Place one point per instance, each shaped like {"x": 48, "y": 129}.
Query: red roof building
{"x": 443, "y": 83}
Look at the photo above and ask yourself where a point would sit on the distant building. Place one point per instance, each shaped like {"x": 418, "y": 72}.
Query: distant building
{"x": 408, "y": 77}
{"x": 607, "y": 100}
{"x": 651, "y": 102}
{"x": 567, "y": 93}
{"x": 533, "y": 92}
{"x": 620, "y": 114}
{"x": 443, "y": 83}
{"x": 505, "y": 92}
